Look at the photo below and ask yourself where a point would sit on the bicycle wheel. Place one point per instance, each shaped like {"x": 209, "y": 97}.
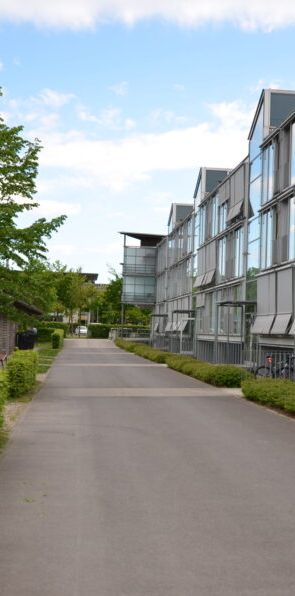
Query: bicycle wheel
{"x": 263, "y": 372}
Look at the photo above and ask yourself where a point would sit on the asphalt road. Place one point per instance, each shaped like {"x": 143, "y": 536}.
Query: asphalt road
{"x": 124, "y": 478}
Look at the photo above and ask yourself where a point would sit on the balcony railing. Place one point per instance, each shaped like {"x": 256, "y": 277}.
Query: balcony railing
{"x": 144, "y": 298}
{"x": 139, "y": 269}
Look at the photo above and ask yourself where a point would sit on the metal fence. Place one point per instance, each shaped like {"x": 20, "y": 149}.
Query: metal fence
{"x": 173, "y": 342}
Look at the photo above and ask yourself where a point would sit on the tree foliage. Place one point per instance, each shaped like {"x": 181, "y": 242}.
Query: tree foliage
{"x": 20, "y": 247}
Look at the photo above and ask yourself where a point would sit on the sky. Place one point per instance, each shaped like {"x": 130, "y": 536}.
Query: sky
{"x": 129, "y": 99}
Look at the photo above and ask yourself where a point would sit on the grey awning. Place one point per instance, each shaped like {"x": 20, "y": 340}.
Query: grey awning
{"x": 156, "y": 326}
{"x": 183, "y": 325}
{"x": 235, "y": 211}
{"x": 208, "y": 278}
{"x": 262, "y": 324}
{"x": 281, "y": 324}
{"x": 199, "y": 280}
{"x": 292, "y": 330}
{"x": 168, "y": 326}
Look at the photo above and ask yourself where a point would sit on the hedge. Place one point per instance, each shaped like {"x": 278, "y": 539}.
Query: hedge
{"x": 99, "y": 331}
{"x": 3, "y": 393}
{"x": 277, "y": 393}
{"x": 44, "y": 334}
{"x": 45, "y": 330}
{"x": 57, "y": 339}
{"x": 21, "y": 371}
{"x": 220, "y": 375}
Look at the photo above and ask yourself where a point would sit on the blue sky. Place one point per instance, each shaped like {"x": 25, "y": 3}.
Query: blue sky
{"x": 129, "y": 99}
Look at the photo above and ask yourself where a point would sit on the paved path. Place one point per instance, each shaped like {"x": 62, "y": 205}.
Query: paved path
{"x": 124, "y": 478}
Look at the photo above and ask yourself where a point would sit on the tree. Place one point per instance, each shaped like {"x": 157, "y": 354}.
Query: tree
{"x": 74, "y": 291}
{"x": 19, "y": 247}
{"x": 110, "y": 305}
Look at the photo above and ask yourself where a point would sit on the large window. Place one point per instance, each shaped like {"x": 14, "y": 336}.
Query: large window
{"x": 257, "y": 136}
{"x": 292, "y": 228}
{"x": 221, "y": 259}
{"x": 267, "y": 239}
{"x": 202, "y": 214}
{"x": 215, "y": 205}
{"x": 239, "y": 249}
{"x": 293, "y": 154}
{"x": 253, "y": 247}
{"x": 255, "y": 186}
{"x": 268, "y": 173}
{"x": 222, "y": 216}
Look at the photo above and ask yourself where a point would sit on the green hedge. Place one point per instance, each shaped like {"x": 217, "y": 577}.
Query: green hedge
{"x": 277, "y": 393}
{"x": 21, "y": 370}
{"x": 99, "y": 331}
{"x": 220, "y": 375}
{"x": 45, "y": 330}
{"x": 57, "y": 339}
{"x": 44, "y": 334}
{"x": 3, "y": 393}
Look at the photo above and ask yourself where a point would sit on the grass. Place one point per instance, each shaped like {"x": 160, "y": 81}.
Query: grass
{"x": 46, "y": 354}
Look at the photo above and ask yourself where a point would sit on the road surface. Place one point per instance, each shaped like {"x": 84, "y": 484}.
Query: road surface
{"x": 124, "y": 478}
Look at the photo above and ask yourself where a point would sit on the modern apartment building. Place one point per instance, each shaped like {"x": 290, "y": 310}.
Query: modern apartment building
{"x": 223, "y": 277}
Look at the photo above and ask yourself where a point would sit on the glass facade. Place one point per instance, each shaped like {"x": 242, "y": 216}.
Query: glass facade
{"x": 267, "y": 235}
{"x": 214, "y": 220}
{"x": 221, "y": 259}
{"x": 239, "y": 249}
{"x": 222, "y": 216}
{"x": 257, "y": 136}
{"x": 293, "y": 153}
{"x": 292, "y": 228}
{"x": 268, "y": 173}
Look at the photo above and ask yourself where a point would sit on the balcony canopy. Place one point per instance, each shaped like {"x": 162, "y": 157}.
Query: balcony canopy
{"x": 145, "y": 239}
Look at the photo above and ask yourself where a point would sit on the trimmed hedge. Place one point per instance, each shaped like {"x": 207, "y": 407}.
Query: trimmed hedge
{"x": 276, "y": 393}
{"x": 21, "y": 371}
{"x": 57, "y": 339}
{"x": 99, "y": 331}
{"x": 220, "y": 375}
{"x": 44, "y": 334}
{"x": 54, "y": 325}
{"x": 3, "y": 393}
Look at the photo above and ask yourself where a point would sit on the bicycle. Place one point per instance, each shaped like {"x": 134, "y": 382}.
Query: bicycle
{"x": 284, "y": 369}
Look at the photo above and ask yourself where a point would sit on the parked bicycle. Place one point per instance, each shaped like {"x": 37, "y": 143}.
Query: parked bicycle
{"x": 277, "y": 369}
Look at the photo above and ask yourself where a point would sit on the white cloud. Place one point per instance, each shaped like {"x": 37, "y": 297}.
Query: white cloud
{"x": 1, "y": 66}
{"x": 116, "y": 164}
{"x": 262, "y": 14}
{"x": 159, "y": 116}
{"x": 54, "y": 99}
{"x": 48, "y": 208}
{"x": 110, "y": 118}
{"x": 120, "y": 88}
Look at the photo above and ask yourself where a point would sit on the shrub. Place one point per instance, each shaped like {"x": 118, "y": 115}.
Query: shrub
{"x": 3, "y": 393}
{"x": 221, "y": 375}
{"x": 21, "y": 372}
{"x": 277, "y": 393}
{"x": 57, "y": 339}
{"x": 44, "y": 334}
{"x": 99, "y": 331}
{"x": 54, "y": 325}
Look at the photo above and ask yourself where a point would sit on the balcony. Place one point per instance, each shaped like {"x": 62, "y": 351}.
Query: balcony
{"x": 147, "y": 298}
{"x": 149, "y": 269}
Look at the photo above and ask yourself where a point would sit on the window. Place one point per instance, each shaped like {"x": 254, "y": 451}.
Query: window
{"x": 255, "y": 195}
{"x": 257, "y": 136}
{"x": 268, "y": 173}
{"x": 215, "y": 204}
{"x": 293, "y": 154}
{"x": 202, "y": 215}
{"x": 253, "y": 247}
{"x": 211, "y": 301}
{"x": 222, "y": 216}
{"x": 221, "y": 258}
{"x": 239, "y": 248}
{"x": 197, "y": 230}
{"x": 266, "y": 239}
{"x": 292, "y": 228}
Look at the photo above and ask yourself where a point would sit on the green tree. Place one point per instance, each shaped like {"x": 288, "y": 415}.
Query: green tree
{"x": 19, "y": 247}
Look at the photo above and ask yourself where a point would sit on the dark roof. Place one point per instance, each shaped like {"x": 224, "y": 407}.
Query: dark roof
{"x": 145, "y": 239}
{"x": 29, "y": 309}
